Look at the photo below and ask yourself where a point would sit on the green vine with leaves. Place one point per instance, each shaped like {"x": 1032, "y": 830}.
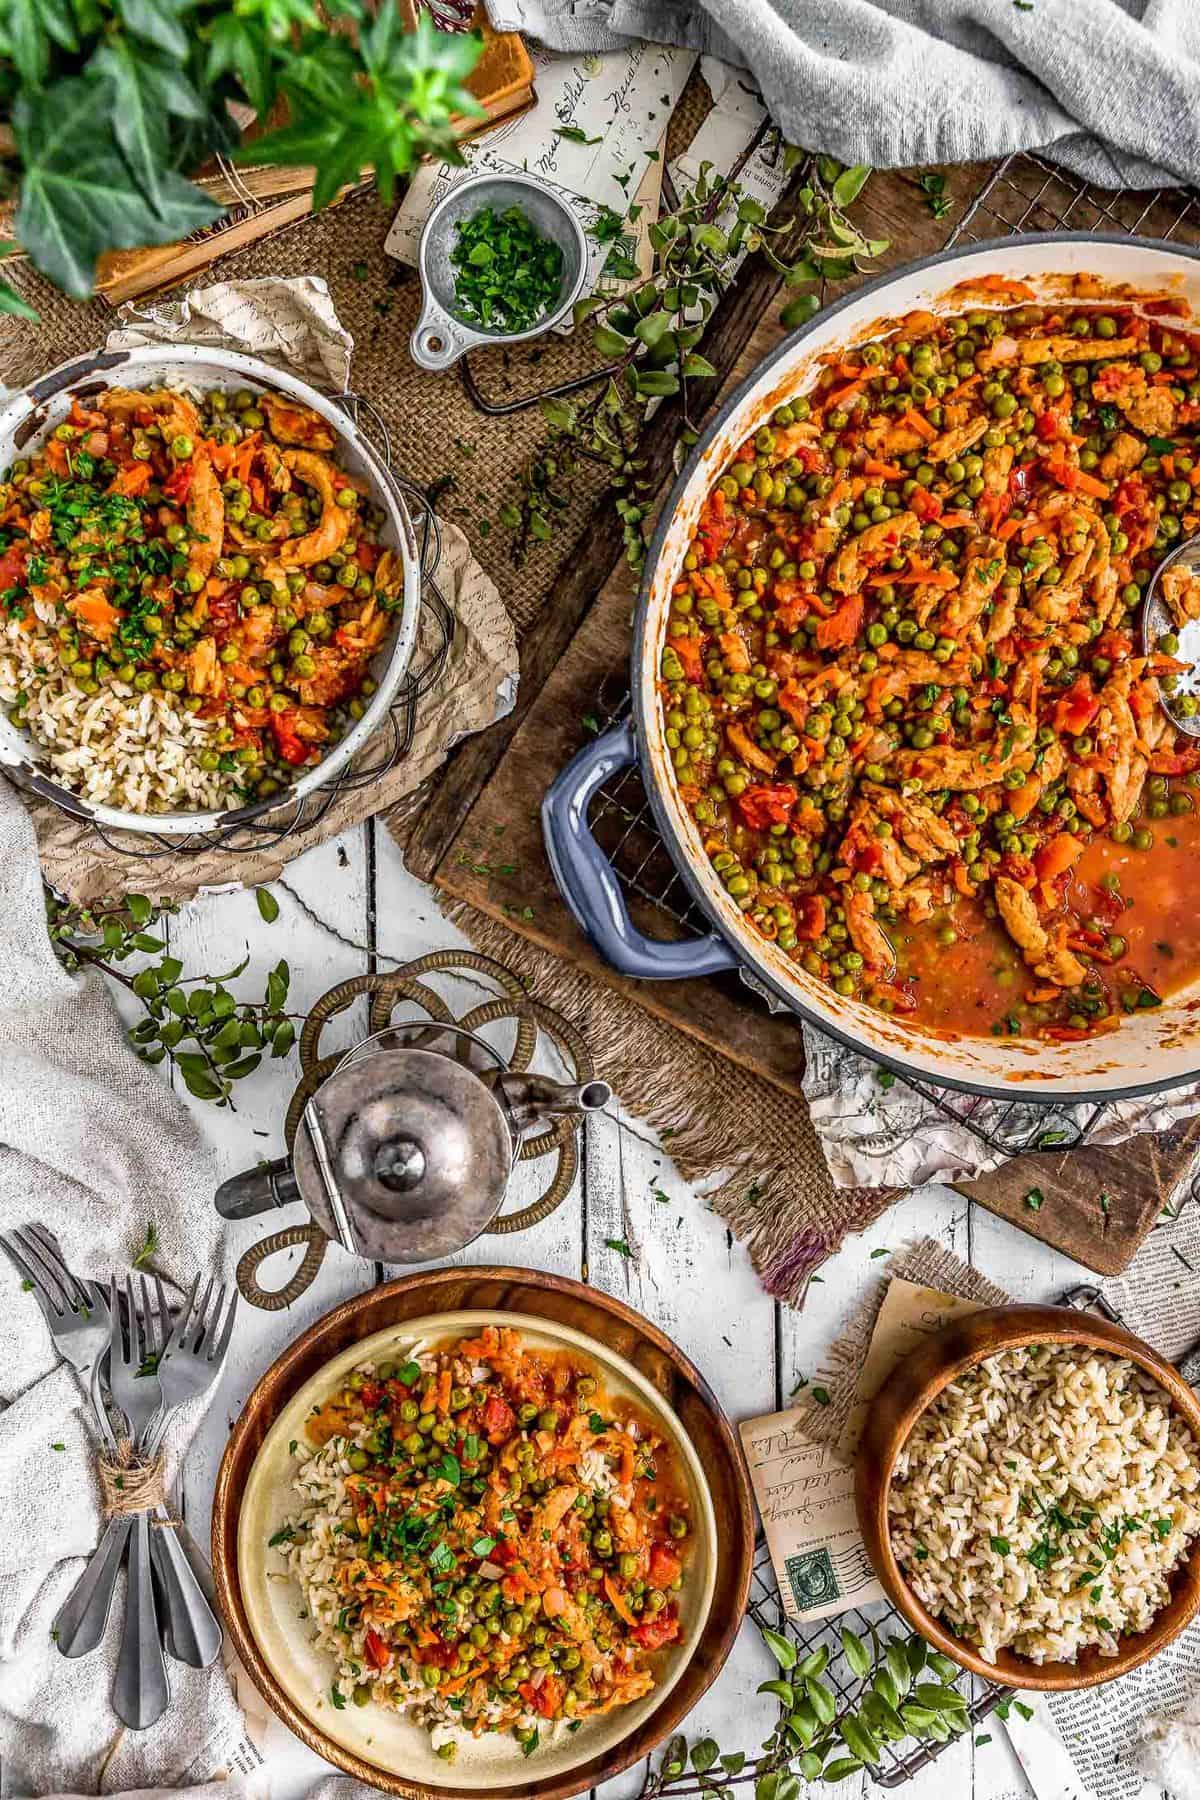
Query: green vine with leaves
{"x": 900, "y": 1690}
{"x": 209, "y": 1035}
{"x": 651, "y": 329}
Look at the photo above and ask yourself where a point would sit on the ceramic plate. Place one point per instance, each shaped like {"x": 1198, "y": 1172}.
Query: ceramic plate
{"x": 379, "y": 1735}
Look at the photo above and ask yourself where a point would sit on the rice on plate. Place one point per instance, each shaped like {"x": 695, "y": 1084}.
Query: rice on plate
{"x": 1043, "y": 1500}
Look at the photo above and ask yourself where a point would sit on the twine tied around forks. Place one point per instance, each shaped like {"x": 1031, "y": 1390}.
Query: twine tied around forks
{"x": 131, "y": 1484}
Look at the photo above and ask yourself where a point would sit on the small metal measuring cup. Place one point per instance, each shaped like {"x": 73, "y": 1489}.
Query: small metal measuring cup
{"x": 441, "y": 336}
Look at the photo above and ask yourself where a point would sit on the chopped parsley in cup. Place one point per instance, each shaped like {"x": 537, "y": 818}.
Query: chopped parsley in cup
{"x": 507, "y": 276}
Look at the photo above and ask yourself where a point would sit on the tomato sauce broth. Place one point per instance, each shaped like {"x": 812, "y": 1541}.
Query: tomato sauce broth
{"x": 977, "y": 984}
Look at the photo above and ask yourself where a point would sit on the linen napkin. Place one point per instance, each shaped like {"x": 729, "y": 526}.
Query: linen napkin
{"x": 1106, "y": 87}
{"x": 95, "y": 1145}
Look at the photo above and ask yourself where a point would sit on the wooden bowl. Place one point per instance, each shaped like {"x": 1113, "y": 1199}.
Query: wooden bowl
{"x": 894, "y": 1411}
{"x": 616, "y": 1331}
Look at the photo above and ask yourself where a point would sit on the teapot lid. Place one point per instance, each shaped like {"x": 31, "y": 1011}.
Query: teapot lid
{"x": 406, "y": 1151}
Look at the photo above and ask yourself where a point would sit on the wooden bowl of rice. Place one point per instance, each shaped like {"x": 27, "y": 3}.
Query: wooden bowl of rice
{"x": 1028, "y": 1490}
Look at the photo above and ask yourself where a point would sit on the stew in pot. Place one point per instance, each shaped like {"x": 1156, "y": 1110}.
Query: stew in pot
{"x": 903, "y": 687}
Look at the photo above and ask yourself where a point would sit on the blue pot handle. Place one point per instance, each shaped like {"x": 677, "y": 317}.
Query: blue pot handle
{"x": 588, "y": 883}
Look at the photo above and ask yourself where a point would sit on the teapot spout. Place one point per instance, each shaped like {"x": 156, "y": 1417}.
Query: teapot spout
{"x": 528, "y": 1098}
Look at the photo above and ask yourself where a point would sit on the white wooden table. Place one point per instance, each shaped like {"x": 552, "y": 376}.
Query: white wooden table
{"x": 346, "y": 907}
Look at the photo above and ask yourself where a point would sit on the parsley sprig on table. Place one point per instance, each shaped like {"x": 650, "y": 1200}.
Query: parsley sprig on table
{"x": 507, "y": 275}
{"x": 194, "y": 1022}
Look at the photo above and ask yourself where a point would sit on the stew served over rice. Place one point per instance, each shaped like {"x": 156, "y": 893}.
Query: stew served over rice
{"x": 191, "y": 592}
{"x": 488, "y": 1540}
{"x": 903, "y": 686}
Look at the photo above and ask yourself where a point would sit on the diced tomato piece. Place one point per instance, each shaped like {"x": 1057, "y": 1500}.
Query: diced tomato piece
{"x": 653, "y": 1634}
{"x": 833, "y": 633}
{"x": 1075, "y": 710}
{"x": 810, "y": 916}
{"x": 1019, "y": 481}
{"x": 688, "y": 650}
{"x": 12, "y": 567}
{"x": 377, "y": 1652}
{"x": 503, "y": 1553}
{"x": 1131, "y": 496}
{"x": 546, "y": 1699}
{"x": 437, "y": 1655}
{"x": 288, "y": 743}
{"x": 179, "y": 481}
{"x": 1174, "y": 762}
{"x": 924, "y": 504}
{"x": 1048, "y": 426}
{"x": 762, "y": 806}
{"x": 665, "y": 1566}
{"x": 716, "y": 527}
{"x": 497, "y": 1416}
{"x": 370, "y": 1393}
{"x": 1116, "y": 645}
{"x": 367, "y": 555}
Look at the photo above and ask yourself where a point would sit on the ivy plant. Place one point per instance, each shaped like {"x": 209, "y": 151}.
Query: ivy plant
{"x": 114, "y": 104}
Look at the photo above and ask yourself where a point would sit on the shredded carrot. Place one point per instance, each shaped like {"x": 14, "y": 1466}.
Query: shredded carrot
{"x": 915, "y": 422}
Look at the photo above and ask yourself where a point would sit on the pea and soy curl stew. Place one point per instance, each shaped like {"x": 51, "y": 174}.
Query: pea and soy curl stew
{"x": 903, "y": 687}
{"x": 509, "y": 1540}
{"x": 208, "y": 552}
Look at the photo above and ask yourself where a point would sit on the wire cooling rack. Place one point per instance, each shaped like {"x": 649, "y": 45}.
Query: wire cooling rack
{"x": 1023, "y": 194}
{"x": 879, "y": 1621}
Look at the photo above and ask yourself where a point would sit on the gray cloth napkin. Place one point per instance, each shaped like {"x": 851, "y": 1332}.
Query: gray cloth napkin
{"x": 1108, "y": 88}
{"x": 93, "y": 1144}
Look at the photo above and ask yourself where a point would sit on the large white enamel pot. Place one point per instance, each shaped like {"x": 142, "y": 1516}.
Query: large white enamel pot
{"x": 1152, "y": 1050}
{"x": 29, "y": 419}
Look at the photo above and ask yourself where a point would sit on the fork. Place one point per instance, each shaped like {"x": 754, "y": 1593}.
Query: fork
{"x": 140, "y": 1691}
{"x": 76, "y": 1312}
{"x": 194, "y": 1352}
{"x": 193, "y": 1631}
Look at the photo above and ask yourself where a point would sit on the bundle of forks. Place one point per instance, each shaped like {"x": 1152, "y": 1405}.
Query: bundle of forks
{"x": 143, "y": 1360}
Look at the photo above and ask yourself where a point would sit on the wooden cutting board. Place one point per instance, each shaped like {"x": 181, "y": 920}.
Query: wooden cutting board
{"x": 1095, "y": 1205}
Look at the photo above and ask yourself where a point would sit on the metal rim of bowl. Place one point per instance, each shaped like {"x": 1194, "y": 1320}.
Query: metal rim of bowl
{"x": 21, "y": 414}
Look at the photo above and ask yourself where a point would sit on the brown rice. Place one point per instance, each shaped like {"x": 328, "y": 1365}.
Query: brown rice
{"x": 1042, "y": 1501}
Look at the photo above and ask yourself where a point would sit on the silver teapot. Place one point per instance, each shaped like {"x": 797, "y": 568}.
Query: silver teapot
{"x": 404, "y": 1153}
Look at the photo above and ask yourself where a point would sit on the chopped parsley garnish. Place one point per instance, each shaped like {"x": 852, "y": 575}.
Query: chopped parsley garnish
{"x": 507, "y": 275}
